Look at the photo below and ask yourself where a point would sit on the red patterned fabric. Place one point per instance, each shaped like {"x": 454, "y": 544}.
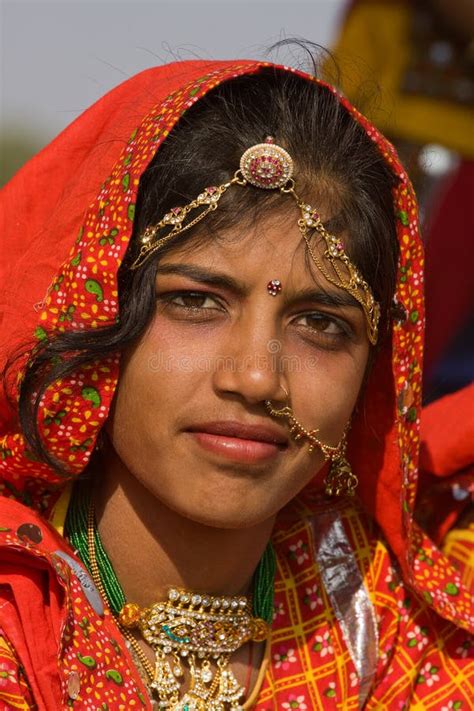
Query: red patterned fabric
{"x": 70, "y": 213}
{"x": 64, "y": 634}
{"x": 56, "y": 649}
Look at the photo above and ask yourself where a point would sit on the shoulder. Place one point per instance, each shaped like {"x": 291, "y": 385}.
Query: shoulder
{"x": 53, "y": 624}
{"x": 34, "y": 603}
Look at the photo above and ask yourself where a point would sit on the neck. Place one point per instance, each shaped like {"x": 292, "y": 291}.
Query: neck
{"x": 153, "y": 548}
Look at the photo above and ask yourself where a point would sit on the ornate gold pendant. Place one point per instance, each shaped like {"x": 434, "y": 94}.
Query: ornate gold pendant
{"x": 193, "y": 631}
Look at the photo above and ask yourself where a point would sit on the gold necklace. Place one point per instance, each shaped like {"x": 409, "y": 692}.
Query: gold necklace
{"x": 188, "y": 630}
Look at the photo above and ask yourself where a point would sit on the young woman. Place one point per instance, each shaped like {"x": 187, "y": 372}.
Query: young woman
{"x": 222, "y": 267}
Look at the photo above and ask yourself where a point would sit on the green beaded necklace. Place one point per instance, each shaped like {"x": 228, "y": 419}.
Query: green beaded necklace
{"x": 76, "y": 530}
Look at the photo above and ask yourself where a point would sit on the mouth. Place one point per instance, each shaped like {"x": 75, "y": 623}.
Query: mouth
{"x": 240, "y": 442}
{"x": 240, "y": 450}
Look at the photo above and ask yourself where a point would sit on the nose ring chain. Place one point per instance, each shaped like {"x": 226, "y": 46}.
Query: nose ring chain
{"x": 298, "y": 431}
{"x": 340, "y": 479}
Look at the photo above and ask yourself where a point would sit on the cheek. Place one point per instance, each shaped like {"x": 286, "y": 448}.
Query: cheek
{"x": 157, "y": 379}
{"x": 325, "y": 394}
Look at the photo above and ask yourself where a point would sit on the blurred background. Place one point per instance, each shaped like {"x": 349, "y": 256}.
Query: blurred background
{"x": 59, "y": 56}
{"x": 408, "y": 64}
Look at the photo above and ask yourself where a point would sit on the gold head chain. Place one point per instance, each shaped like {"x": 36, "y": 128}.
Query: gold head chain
{"x": 270, "y": 167}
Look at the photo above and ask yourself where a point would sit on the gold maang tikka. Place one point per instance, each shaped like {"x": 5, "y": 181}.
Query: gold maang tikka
{"x": 340, "y": 480}
{"x": 270, "y": 167}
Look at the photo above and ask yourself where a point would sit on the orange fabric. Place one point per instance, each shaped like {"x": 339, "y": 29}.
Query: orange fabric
{"x": 459, "y": 547}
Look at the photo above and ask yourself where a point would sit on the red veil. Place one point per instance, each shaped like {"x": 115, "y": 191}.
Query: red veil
{"x": 60, "y": 273}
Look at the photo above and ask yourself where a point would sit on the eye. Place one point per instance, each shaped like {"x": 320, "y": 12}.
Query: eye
{"x": 324, "y": 329}
{"x": 322, "y": 323}
{"x": 193, "y": 302}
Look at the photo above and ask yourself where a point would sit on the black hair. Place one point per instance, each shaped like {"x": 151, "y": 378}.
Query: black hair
{"x": 333, "y": 157}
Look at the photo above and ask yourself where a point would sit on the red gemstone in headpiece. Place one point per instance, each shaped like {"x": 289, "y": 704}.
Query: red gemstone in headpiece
{"x": 266, "y": 165}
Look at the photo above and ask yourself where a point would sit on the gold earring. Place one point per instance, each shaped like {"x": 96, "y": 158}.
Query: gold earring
{"x": 341, "y": 480}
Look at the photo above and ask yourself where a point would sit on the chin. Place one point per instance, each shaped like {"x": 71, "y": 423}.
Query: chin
{"x": 230, "y": 521}
{"x": 224, "y": 514}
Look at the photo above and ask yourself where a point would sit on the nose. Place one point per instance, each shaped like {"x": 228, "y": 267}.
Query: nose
{"x": 251, "y": 364}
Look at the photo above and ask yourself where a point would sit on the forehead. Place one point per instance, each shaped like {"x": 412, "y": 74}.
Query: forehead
{"x": 246, "y": 250}
{"x": 268, "y": 247}
{"x": 251, "y": 255}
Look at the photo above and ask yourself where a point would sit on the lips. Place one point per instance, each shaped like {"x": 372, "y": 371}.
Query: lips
{"x": 231, "y": 428}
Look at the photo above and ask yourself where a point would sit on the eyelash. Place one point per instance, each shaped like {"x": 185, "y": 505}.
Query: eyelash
{"x": 330, "y": 340}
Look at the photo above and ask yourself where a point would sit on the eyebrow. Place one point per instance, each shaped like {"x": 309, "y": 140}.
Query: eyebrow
{"x": 224, "y": 281}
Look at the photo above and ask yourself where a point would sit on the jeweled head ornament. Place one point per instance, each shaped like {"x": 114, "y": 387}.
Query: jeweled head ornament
{"x": 274, "y": 287}
{"x": 270, "y": 167}
{"x": 266, "y": 165}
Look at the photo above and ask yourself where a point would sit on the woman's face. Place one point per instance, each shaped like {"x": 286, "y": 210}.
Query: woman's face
{"x": 218, "y": 347}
